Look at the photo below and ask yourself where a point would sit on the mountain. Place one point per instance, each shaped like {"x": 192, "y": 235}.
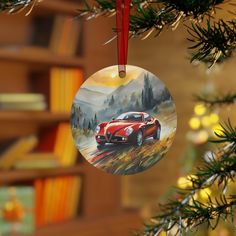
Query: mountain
{"x": 90, "y": 97}
{"x": 137, "y": 85}
{"x": 85, "y": 107}
{"x": 104, "y": 90}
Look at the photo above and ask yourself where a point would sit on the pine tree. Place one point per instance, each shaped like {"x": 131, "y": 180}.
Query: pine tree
{"x": 147, "y": 93}
{"x": 84, "y": 124}
{"x": 73, "y": 117}
{"x": 89, "y": 125}
{"x": 112, "y": 101}
{"x": 137, "y": 105}
{"x": 142, "y": 97}
{"x": 95, "y": 121}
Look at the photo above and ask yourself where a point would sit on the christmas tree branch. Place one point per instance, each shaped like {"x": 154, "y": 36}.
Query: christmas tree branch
{"x": 180, "y": 217}
{"x": 213, "y": 43}
{"x": 13, "y": 6}
{"x": 187, "y": 212}
{"x": 227, "y": 134}
{"x": 153, "y": 15}
{"x": 227, "y": 99}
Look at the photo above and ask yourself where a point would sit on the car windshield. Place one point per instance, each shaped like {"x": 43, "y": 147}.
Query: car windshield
{"x": 133, "y": 117}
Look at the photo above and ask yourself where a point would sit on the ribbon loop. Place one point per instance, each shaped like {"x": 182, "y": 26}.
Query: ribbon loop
{"x": 122, "y": 26}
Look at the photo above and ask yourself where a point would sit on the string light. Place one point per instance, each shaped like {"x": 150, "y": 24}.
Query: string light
{"x": 194, "y": 123}
{"x": 205, "y": 193}
{"x": 200, "y": 109}
{"x": 202, "y": 137}
{"x": 183, "y": 182}
{"x": 214, "y": 118}
{"x": 217, "y": 129}
{"x": 206, "y": 121}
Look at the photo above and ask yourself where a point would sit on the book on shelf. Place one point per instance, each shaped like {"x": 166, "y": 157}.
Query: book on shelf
{"x": 64, "y": 84}
{"x": 62, "y": 34}
{"x": 59, "y": 141}
{"x": 15, "y": 149}
{"x": 52, "y": 148}
{"x": 41, "y": 30}
{"x": 57, "y": 199}
{"x": 17, "y": 206}
{"x": 45, "y": 201}
{"x": 37, "y": 161}
{"x": 22, "y": 101}
{"x": 66, "y": 35}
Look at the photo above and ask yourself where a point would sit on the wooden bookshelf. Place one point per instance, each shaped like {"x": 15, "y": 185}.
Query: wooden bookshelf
{"x": 118, "y": 224}
{"x": 60, "y": 6}
{"x": 38, "y": 55}
{"x": 16, "y": 176}
{"x": 33, "y": 116}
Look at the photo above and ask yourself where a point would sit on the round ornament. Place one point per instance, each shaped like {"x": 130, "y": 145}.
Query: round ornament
{"x": 123, "y": 125}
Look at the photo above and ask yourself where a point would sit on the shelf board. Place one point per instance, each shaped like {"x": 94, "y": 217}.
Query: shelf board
{"x": 32, "y": 116}
{"x": 31, "y": 54}
{"x": 60, "y": 6}
{"x": 121, "y": 223}
{"x": 14, "y": 176}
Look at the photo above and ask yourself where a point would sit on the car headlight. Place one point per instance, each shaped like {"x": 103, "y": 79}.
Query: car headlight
{"x": 129, "y": 131}
{"x": 97, "y": 129}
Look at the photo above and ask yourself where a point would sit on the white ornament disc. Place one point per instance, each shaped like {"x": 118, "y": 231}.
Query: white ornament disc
{"x": 123, "y": 125}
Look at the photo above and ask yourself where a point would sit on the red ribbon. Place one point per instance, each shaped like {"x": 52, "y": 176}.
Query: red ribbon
{"x": 122, "y": 26}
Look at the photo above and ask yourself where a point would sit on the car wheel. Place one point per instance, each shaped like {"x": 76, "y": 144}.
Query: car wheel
{"x": 139, "y": 138}
{"x": 157, "y": 133}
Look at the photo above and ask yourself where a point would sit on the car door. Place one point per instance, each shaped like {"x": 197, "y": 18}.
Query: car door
{"x": 149, "y": 125}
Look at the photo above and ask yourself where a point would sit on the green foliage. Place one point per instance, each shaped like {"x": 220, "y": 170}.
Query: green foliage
{"x": 194, "y": 8}
{"x": 179, "y": 216}
{"x": 226, "y": 99}
{"x": 215, "y": 42}
{"x": 186, "y": 213}
{"x": 227, "y": 134}
{"x": 14, "y": 5}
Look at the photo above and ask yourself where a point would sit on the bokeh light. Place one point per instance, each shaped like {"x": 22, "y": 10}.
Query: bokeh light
{"x": 200, "y": 109}
{"x": 194, "y": 123}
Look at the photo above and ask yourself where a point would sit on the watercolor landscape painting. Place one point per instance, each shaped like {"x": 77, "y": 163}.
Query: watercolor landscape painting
{"x": 123, "y": 125}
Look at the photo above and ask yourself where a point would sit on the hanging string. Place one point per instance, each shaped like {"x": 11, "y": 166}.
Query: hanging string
{"x": 122, "y": 26}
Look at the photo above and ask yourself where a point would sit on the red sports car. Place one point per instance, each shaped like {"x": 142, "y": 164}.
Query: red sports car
{"x": 130, "y": 127}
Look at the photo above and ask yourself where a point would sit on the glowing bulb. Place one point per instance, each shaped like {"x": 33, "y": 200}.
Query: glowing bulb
{"x": 214, "y": 118}
{"x": 200, "y": 109}
{"x": 183, "y": 182}
{"x": 206, "y": 121}
{"x": 194, "y": 123}
{"x": 202, "y": 137}
{"x": 217, "y": 129}
{"x": 205, "y": 193}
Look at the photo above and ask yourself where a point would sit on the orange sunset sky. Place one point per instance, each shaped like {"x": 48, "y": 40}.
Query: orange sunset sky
{"x": 109, "y": 77}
